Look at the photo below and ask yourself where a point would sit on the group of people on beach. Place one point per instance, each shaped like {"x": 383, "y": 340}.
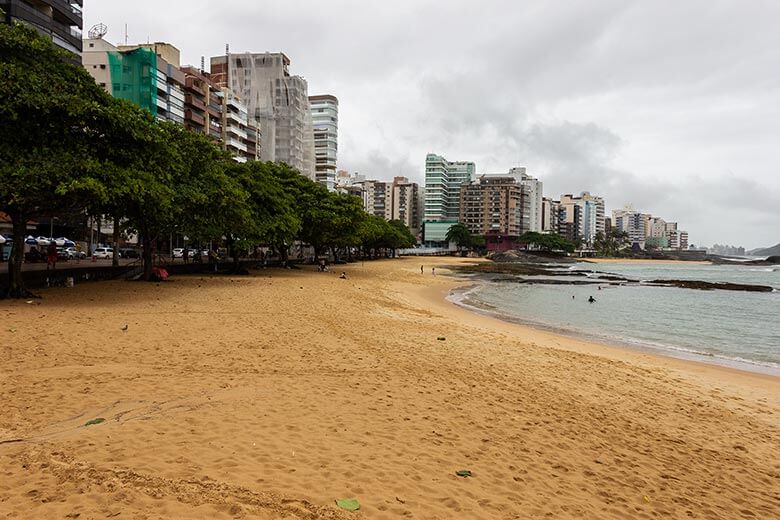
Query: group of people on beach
{"x": 422, "y": 270}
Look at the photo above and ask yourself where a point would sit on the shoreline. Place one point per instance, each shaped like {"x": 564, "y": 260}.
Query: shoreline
{"x": 274, "y": 394}
{"x": 663, "y": 351}
{"x": 713, "y": 373}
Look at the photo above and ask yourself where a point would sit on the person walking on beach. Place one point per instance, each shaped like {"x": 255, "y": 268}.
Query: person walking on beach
{"x": 422, "y": 269}
{"x": 591, "y": 299}
{"x": 433, "y": 271}
{"x": 51, "y": 252}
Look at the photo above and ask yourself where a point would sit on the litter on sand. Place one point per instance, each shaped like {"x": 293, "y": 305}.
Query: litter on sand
{"x": 441, "y": 338}
{"x": 350, "y": 504}
{"x": 463, "y": 473}
{"x": 95, "y": 421}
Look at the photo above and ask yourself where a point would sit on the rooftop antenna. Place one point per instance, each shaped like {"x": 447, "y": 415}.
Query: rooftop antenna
{"x": 98, "y": 31}
{"x": 202, "y": 63}
{"x": 125, "y": 34}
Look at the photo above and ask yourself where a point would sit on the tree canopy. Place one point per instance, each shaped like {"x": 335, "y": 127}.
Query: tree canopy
{"x": 66, "y": 145}
{"x": 546, "y": 242}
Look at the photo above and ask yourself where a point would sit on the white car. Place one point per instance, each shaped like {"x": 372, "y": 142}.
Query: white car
{"x": 43, "y": 241}
{"x": 74, "y": 253}
{"x": 104, "y": 252}
{"x": 178, "y": 252}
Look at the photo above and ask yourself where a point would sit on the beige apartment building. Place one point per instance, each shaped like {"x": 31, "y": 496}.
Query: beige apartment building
{"x": 497, "y": 207}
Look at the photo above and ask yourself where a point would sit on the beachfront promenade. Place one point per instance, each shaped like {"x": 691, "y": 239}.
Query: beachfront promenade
{"x": 274, "y": 394}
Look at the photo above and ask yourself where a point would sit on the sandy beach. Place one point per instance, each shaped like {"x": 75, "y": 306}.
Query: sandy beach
{"x": 272, "y": 395}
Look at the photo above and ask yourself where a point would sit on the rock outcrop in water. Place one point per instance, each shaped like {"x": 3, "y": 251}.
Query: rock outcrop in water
{"x": 520, "y": 271}
{"x": 708, "y": 286}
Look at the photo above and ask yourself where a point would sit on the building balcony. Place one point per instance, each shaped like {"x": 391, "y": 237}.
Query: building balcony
{"x": 195, "y": 85}
{"x": 195, "y": 102}
{"x": 195, "y": 118}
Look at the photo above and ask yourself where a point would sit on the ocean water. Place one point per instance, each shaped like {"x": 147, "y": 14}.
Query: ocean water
{"x": 734, "y": 328}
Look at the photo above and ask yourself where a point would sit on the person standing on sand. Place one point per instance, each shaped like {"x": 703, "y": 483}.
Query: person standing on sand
{"x": 433, "y": 271}
{"x": 51, "y": 259}
{"x": 422, "y": 269}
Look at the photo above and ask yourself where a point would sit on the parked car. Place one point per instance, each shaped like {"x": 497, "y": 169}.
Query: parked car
{"x": 74, "y": 253}
{"x": 64, "y": 242}
{"x": 62, "y": 254}
{"x": 104, "y": 252}
{"x": 129, "y": 253}
{"x": 43, "y": 241}
{"x": 178, "y": 252}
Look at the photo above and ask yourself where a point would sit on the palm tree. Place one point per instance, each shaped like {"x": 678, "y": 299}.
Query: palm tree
{"x": 459, "y": 234}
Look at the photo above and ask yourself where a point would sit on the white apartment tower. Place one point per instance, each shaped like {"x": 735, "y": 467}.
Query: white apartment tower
{"x": 325, "y": 121}
{"x": 443, "y": 181}
{"x": 278, "y": 103}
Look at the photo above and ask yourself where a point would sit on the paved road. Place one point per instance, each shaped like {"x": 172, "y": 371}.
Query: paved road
{"x": 71, "y": 264}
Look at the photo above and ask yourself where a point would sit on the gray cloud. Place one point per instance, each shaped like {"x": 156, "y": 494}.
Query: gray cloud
{"x": 672, "y": 106}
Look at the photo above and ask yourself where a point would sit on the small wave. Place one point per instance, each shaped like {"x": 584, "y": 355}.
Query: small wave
{"x": 764, "y": 270}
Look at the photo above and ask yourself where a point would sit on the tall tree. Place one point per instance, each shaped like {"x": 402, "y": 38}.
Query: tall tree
{"x": 51, "y": 113}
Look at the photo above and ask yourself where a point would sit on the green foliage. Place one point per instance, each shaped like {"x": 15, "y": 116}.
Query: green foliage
{"x": 546, "y": 242}
{"x": 611, "y": 243}
{"x": 459, "y": 234}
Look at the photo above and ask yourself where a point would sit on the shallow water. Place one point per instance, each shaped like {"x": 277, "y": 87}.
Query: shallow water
{"x": 729, "y": 327}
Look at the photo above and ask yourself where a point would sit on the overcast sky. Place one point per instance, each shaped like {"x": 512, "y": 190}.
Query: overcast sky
{"x": 671, "y": 106}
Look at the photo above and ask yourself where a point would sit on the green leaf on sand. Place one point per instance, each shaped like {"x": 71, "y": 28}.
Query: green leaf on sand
{"x": 95, "y": 421}
{"x": 350, "y": 504}
{"x": 463, "y": 473}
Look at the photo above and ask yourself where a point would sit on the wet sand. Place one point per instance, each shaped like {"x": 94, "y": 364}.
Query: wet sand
{"x": 270, "y": 396}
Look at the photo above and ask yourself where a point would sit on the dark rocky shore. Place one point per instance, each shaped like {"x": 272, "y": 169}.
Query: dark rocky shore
{"x": 525, "y": 268}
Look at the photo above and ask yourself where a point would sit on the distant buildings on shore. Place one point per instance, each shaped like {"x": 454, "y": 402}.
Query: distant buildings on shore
{"x": 648, "y": 232}
{"x": 503, "y": 206}
{"x": 724, "y": 250}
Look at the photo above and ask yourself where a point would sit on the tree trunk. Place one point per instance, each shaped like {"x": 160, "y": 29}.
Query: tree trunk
{"x": 16, "y": 287}
{"x": 115, "y": 259}
{"x": 148, "y": 256}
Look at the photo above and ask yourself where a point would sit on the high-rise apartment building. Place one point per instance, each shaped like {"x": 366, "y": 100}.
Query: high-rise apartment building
{"x": 443, "y": 181}
{"x": 278, "y": 104}
{"x": 583, "y": 223}
{"x": 60, "y": 20}
{"x": 633, "y": 223}
{"x": 533, "y": 188}
{"x": 139, "y": 73}
{"x": 497, "y": 207}
{"x": 169, "y": 79}
{"x": 325, "y": 122}
{"x": 149, "y": 75}
{"x": 550, "y": 213}
{"x": 407, "y": 203}
{"x": 397, "y": 200}
{"x": 239, "y": 137}
{"x": 378, "y": 198}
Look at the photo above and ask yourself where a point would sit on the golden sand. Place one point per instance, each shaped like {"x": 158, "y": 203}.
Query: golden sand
{"x": 271, "y": 396}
